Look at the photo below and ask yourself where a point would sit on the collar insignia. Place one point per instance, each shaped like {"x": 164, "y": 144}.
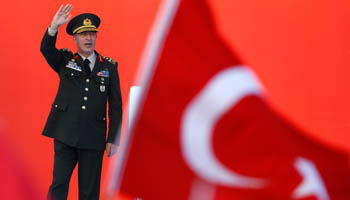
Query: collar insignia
{"x": 100, "y": 59}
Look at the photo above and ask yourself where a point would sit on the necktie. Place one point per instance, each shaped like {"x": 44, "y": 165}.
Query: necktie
{"x": 87, "y": 66}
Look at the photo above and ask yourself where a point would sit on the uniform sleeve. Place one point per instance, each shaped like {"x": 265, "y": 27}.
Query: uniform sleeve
{"x": 53, "y": 56}
{"x": 115, "y": 107}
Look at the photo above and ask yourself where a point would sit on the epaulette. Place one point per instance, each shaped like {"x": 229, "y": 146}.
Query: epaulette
{"x": 66, "y": 50}
{"x": 109, "y": 60}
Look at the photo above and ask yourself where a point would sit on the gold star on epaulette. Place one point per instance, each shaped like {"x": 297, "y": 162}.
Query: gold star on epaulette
{"x": 109, "y": 59}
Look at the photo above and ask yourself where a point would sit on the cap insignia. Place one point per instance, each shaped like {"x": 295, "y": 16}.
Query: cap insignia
{"x": 87, "y": 22}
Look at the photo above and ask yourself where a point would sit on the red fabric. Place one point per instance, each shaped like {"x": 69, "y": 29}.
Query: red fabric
{"x": 15, "y": 182}
{"x": 249, "y": 139}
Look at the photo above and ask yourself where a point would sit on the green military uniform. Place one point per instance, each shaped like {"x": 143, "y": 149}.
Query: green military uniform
{"x": 77, "y": 120}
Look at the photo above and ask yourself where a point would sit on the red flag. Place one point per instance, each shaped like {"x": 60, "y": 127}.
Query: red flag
{"x": 204, "y": 131}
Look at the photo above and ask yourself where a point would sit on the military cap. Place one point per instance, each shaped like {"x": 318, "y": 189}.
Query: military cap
{"x": 82, "y": 23}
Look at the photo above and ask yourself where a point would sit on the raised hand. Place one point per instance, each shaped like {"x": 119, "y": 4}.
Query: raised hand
{"x": 62, "y": 16}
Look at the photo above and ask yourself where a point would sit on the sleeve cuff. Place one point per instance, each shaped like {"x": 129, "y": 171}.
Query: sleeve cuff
{"x": 51, "y": 31}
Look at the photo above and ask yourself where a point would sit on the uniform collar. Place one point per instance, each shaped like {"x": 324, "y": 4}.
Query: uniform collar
{"x": 92, "y": 57}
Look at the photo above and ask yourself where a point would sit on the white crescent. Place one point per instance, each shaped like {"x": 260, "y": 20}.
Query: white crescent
{"x": 220, "y": 94}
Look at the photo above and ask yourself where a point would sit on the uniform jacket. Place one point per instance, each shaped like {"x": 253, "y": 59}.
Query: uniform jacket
{"x": 78, "y": 114}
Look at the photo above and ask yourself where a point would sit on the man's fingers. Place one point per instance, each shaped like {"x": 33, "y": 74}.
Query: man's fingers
{"x": 67, "y": 19}
{"x": 60, "y": 9}
{"x": 67, "y": 8}
{"x": 108, "y": 150}
{"x": 70, "y": 8}
{"x": 111, "y": 149}
{"x": 67, "y": 12}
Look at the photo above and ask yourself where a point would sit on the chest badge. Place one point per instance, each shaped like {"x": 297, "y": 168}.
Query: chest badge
{"x": 102, "y": 88}
{"x": 103, "y": 73}
{"x": 73, "y": 65}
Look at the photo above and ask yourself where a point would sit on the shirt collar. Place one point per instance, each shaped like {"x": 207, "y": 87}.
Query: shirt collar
{"x": 91, "y": 58}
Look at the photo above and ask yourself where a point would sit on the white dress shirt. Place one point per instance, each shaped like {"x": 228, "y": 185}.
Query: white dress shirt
{"x": 92, "y": 59}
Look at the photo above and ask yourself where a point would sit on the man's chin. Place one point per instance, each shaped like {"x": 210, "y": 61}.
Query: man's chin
{"x": 88, "y": 51}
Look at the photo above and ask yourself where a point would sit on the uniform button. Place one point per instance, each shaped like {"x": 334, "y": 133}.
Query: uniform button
{"x": 87, "y": 80}
{"x": 103, "y": 82}
{"x": 104, "y": 118}
{"x": 102, "y": 79}
{"x": 85, "y": 98}
{"x": 56, "y": 106}
{"x": 72, "y": 74}
{"x": 83, "y": 107}
{"x": 86, "y": 89}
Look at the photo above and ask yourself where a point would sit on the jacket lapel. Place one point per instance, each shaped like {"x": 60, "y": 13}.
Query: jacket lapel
{"x": 80, "y": 62}
{"x": 97, "y": 67}
{"x": 98, "y": 64}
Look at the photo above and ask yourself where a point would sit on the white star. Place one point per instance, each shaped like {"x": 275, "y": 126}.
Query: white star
{"x": 312, "y": 183}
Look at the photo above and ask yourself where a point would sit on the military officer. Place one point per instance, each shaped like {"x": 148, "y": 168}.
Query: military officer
{"x": 77, "y": 120}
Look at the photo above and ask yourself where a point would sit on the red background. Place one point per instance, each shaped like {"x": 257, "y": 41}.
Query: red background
{"x": 299, "y": 49}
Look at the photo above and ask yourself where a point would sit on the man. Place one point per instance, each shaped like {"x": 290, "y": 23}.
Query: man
{"x": 77, "y": 120}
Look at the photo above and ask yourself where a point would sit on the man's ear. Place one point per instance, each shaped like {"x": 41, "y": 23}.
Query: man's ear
{"x": 75, "y": 38}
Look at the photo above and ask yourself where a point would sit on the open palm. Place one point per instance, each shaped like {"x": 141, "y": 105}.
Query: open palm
{"x": 62, "y": 16}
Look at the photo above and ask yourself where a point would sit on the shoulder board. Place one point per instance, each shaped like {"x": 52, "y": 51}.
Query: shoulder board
{"x": 109, "y": 60}
{"x": 66, "y": 50}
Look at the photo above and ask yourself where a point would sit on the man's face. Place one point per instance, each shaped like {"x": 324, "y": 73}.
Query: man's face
{"x": 86, "y": 42}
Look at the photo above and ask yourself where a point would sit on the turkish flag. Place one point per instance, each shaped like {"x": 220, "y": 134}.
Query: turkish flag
{"x": 203, "y": 130}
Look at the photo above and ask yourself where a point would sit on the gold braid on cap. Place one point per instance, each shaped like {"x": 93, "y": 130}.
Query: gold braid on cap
{"x": 86, "y": 27}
